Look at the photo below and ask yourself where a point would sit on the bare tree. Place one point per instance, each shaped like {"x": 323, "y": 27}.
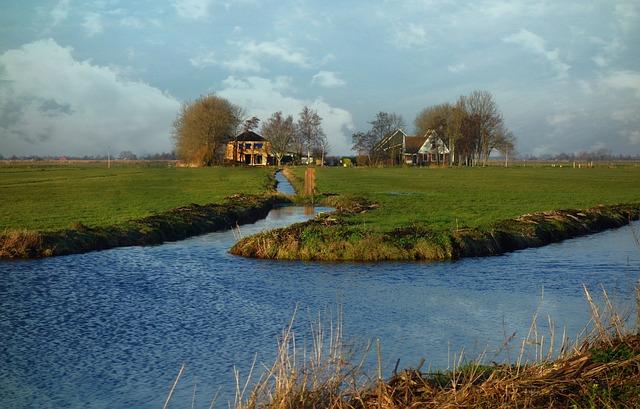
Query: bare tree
{"x": 487, "y": 120}
{"x": 363, "y": 143}
{"x": 436, "y": 117}
{"x": 308, "y": 131}
{"x": 202, "y": 127}
{"x": 250, "y": 124}
{"x": 322, "y": 147}
{"x": 504, "y": 142}
{"x": 280, "y": 132}
{"x": 385, "y": 123}
{"x": 382, "y": 125}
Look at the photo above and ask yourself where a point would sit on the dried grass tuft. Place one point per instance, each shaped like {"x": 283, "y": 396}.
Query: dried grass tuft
{"x": 19, "y": 243}
{"x": 599, "y": 370}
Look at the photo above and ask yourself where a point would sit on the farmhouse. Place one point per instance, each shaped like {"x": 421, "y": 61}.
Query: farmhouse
{"x": 400, "y": 148}
{"x": 249, "y": 148}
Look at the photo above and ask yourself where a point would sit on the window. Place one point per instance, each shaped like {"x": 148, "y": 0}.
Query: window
{"x": 257, "y": 145}
{"x": 247, "y": 146}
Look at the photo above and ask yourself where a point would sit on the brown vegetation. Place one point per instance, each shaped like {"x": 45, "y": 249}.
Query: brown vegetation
{"x": 601, "y": 369}
{"x": 203, "y": 127}
{"x": 19, "y": 243}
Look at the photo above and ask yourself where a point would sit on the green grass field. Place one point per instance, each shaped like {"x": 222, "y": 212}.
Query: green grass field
{"x": 474, "y": 197}
{"x": 41, "y": 197}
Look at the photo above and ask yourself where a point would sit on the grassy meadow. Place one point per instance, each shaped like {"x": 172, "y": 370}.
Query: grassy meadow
{"x": 446, "y": 198}
{"x": 449, "y": 213}
{"x": 49, "y": 197}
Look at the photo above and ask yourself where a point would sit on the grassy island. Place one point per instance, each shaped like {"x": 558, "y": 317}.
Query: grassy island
{"x": 447, "y": 213}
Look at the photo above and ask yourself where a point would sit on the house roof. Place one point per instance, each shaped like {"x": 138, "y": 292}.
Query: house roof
{"x": 391, "y": 140}
{"x": 433, "y": 144}
{"x": 412, "y": 144}
{"x": 249, "y": 136}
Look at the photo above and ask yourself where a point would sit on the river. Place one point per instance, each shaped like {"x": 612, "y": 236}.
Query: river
{"x": 111, "y": 328}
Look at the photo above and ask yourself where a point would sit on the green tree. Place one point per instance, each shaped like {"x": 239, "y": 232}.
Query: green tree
{"x": 202, "y": 127}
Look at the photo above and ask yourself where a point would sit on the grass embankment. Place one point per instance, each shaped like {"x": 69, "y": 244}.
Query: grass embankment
{"x": 441, "y": 214}
{"x": 58, "y": 210}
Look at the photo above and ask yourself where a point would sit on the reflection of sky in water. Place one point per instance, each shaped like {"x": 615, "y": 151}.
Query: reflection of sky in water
{"x": 111, "y": 328}
{"x": 283, "y": 185}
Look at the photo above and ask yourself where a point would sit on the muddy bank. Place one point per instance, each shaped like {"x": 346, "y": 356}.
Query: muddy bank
{"x": 172, "y": 225}
{"x": 332, "y": 238}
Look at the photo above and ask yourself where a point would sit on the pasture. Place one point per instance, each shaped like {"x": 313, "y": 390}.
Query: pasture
{"x": 446, "y": 198}
{"x": 49, "y": 197}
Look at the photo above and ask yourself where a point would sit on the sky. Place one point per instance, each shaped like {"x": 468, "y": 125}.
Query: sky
{"x": 91, "y": 77}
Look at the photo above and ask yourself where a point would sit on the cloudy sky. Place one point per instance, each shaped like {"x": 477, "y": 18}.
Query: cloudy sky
{"x": 86, "y": 77}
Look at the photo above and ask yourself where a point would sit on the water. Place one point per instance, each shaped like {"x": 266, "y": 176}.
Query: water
{"x": 111, "y": 328}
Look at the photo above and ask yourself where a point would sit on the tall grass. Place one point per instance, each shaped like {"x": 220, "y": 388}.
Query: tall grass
{"x": 599, "y": 369}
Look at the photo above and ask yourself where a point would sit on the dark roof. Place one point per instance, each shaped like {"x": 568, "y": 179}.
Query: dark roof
{"x": 412, "y": 144}
{"x": 249, "y": 136}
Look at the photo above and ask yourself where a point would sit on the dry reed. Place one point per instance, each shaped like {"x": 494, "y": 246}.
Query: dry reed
{"x": 600, "y": 369}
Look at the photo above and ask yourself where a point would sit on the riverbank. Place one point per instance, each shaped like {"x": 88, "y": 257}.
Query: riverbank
{"x": 364, "y": 230}
{"x": 598, "y": 370}
{"x": 56, "y": 210}
{"x": 334, "y": 238}
{"x": 172, "y": 225}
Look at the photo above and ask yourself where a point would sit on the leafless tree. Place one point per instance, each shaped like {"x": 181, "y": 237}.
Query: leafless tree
{"x": 471, "y": 128}
{"x": 250, "y": 124}
{"x": 322, "y": 148}
{"x": 382, "y": 125}
{"x": 483, "y": 110}
{"x": 504, "y": 141}
{"x": 385, "y": 123}
{"x": 202, "y": 127}
{"x": 363, "y": 143}
{"x": 280, "y": 132}
{"x": 308, "y": 131}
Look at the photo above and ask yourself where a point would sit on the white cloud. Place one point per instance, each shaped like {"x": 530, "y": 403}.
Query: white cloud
{"x": 133, "y": 22}
{"x": 60, "y": 12}
{"x": 532, "y": 42}
{"x": 512, "y": 8}
{"x": 250, "y": 54}
{"x": 93, "y": 24}
{"x": 262, "y": 97}
{"x": 193, "y": 9}
{"x": 277, "y": 49}
{"x": 623, "y": 80}
{"x": 457, "y": 68}
{"x": 634, "y": 136}
{"x": 328, "y": 79}
{"x": 560, "y": 118}
{"x": 242, "y": 63}
{"x": 626, "y": 15}
{"x": 204, "y": 59}
{"x": 408, "y": 35}
{"x": 609, "y": 50}
{"x": 51, "y": 103}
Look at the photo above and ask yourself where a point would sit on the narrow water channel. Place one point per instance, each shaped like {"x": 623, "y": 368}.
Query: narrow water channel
{"x": 111, "y": 328}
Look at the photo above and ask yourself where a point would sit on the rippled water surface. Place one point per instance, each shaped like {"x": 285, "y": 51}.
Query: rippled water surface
{"x": 111, "y": 328}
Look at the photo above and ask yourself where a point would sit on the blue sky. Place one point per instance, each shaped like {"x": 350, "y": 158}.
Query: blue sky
{"x": 87, "y": 77}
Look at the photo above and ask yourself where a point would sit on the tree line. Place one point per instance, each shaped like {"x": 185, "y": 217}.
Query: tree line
{"x": 472, "y": 128}
{"x": 203, "y": 128}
